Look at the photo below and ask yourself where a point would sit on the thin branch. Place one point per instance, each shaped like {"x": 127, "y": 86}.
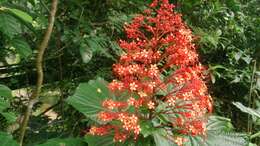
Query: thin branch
{"x": 45, "y": 6}
{"x": 43, "y": 45}
{"x": 249, "y": 120}
{"x": 49, "y": 108}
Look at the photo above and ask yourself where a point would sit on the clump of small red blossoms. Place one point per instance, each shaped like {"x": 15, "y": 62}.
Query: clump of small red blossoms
{"x": 158, "y": 75}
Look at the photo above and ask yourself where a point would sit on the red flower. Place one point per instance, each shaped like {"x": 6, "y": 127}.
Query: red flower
{"x": 158, "y": 43}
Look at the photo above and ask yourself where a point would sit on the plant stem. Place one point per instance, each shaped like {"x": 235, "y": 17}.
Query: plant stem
{"x": 249, "y": 122}
{"x": 39, "y": 67}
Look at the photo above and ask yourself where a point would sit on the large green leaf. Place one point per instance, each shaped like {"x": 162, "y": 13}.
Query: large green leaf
{"x": 147, "y": 141}
{"x": 23, "y": 17}
{"x": 147, "y": 128}
{"x": 161, "y": 140}
{"x": 64, "y": 142}
{"x": 3, "y": 104}
{"x": 220, "y": 132}
{"x": 7, "y": 140}
{"x": 5, "y": 91}
{"x": 194, "y": 141}
{"x": 21, "y": 14}
{"x": 8, "y": 25}
{"x": 22, "y": 47}
{"x": 89, "y": 97}
{"x": 219, "y": 123}
{"x": 9, "y": 116}
{"x": 248, "y": 110}
{"x": 106, "y": 140}
{"x": 215, "y": 138}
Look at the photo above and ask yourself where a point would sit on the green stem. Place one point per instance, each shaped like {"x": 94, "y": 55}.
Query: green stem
{"x": 249, "y": 121}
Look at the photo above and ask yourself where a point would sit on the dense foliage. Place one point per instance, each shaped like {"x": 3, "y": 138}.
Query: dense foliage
{"x": 84, "y": 46}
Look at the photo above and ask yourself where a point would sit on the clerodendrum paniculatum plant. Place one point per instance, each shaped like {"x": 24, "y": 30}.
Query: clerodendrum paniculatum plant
{"x": 159, "y": 78}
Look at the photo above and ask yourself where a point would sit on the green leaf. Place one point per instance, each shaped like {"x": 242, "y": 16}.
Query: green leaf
{"x": 256, "y": 135}
{"x": 219, "y": 132}
{"x": 252, "y": 144}
{"x": 147, "y": 141}
{"x": 86, "y": 53}
{"x": 106, "y": 140}
{"x": 215, "y": 67}
{"x": 248, "y": 110}
{"x": 9, "y": 26}
{"x": 64, "y": 142}
{"x": 22, "y": 47}
{"x": 247, "y": 59}
{"x": 5, "y": 91}
{"x": 161, "y": 140}
{"x": 215, "y": 138}
{"x": 238, "y": 55}
{"x": 98, "y": 44}
{"x": 3, "y": 104}
{"x": 219, "y": 123}
{"x": 23, "y": 17}
{"x": 9, "y": 116}
{"x": 147, "y": 128}
{"x": 236, "y": 80}
{"x": 7, "y": 140}
{"x": 234, "y": 5}
{"x": 89, "y": 96}
{"x": 21, "y": 14}
{"x": 194, "y": 141}
{"x": 258, "y": 83}
{"x": 208, "y": 37}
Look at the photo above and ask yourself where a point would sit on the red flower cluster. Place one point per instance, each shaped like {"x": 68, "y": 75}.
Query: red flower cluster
{"x": 160, "y": 66}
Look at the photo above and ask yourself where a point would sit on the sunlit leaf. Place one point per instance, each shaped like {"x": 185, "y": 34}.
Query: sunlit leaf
{"x": 89, "y": 96}
{"x": 21, "y": 14}
{"x": 85, "y": 52}
{"x": 248, "y": 110}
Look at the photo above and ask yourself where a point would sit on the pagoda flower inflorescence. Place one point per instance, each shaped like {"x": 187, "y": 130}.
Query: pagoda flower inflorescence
{"x": 160, "y": 68}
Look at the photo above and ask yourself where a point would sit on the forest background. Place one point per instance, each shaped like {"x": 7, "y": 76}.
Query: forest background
{"x": 83, "y": 46}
